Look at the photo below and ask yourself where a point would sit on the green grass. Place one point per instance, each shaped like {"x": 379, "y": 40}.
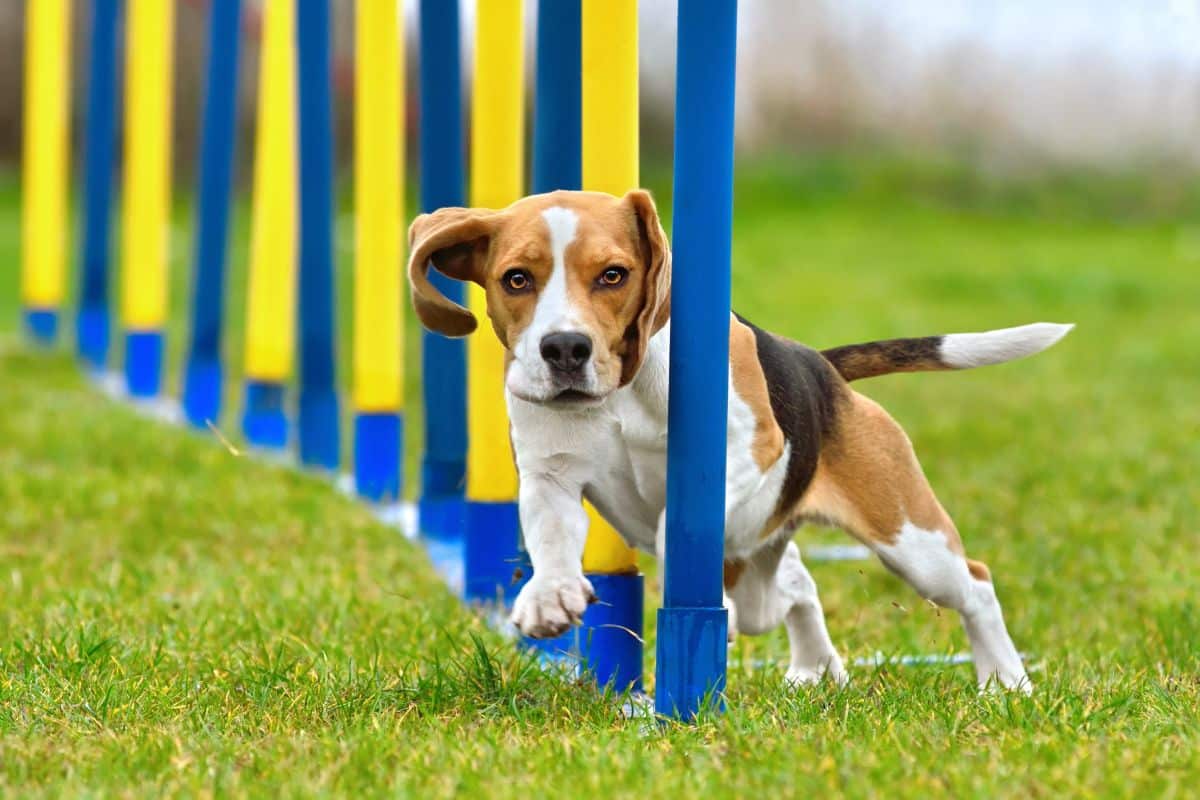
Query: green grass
{"x": 179, "y": 620}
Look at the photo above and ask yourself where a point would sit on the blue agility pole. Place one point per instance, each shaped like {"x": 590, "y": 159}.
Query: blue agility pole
{"x": 558, "y": 110}
{"x": 92, "y": 322}
{"x": 557, "y": 148}
{"x": 608, "y": 644}
{"x": 692, "y": 624}
{"x": 203, "y": 384}
{"x": 443, "y": 360}
{"x": 320, "y": 437}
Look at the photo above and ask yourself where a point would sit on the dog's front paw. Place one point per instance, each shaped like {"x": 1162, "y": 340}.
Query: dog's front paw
{"x": 801, "y": 675}
{"x": 548, "y": 606}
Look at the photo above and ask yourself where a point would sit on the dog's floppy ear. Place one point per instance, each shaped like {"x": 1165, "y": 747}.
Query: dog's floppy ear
{"x": 656, "y": 282}
{"x": 454, "y": 241}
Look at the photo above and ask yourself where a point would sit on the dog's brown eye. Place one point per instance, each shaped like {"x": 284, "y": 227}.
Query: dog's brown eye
{"x": 613, "y": 276}
{"x": 517, "y": 280}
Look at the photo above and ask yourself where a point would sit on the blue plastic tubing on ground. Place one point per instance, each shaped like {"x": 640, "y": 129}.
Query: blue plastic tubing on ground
{"x": 203, "y": 377}
{"x": 320, "y": 437}
{"x": 692, "y": 623}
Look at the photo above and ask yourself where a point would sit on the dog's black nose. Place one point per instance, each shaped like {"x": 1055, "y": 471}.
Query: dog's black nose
{"x": 566, "y": 352}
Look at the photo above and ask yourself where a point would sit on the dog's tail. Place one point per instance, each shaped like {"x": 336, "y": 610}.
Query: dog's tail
{"x": 952, "y": 351}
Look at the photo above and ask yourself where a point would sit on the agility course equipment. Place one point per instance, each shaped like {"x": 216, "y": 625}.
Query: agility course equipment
{"x": 558, "y": 105}
{"x": 378, "y": 285}
{"x": 319, "y": 427}
{"x": 145, "y": 226}
{"x": 692, "y": 619}
{"x": 493, "y": 543}
{"x": 92, "y": 318}
{"x": 203, "y": 382}
{"x": 47, "y": 134}
{"x": 444, "y": 461}
{"x": 611, "y": 635}
{"x": 585, "y": 135}
{"x": 271, "y": 285}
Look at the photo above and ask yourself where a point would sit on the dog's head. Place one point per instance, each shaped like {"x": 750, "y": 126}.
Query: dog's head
{"x": 576, "y": 284}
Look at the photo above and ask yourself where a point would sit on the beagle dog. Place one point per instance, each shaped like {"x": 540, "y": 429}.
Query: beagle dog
{"x": 578, "y": 290}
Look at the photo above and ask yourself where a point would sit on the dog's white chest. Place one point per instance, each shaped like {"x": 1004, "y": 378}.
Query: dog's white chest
{"x": 629, "y": 481}
{"x": 618, "y": 454}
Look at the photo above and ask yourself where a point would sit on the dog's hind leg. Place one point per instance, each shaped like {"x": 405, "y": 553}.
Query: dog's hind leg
{"x": 870, "y": 483}
{"x": 772, "y": 587}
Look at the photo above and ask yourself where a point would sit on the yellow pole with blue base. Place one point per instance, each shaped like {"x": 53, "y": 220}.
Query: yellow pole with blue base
{"x": 146, "y": 213}
{"x": 611, "y": 635}
{"x": 46, "y": 159}
{"x": 492, "y": 546}
{"x": 379, "y": 186}
{"x": 271, "y": 289}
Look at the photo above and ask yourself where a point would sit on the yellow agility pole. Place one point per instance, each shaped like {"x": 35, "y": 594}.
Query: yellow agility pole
{"x": 610, "y": 641}
{"x": 145, "y": 233}
{"x": 379, "y": 186}
{"x": 610, "y": 164}
{"x": 497, "y": 179}
{"x": 46, "y": 159}
{"x": 271, "y": 290}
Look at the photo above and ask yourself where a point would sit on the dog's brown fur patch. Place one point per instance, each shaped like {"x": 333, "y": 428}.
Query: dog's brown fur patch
{"x": 732, "y": 573}
{"x": 750, "y": 383}
{"x": 869, "y": 481}
{"x": 979, "y": 571}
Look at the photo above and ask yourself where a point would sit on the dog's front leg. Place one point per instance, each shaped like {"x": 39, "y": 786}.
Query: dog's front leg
{"x": 555, "y": 527}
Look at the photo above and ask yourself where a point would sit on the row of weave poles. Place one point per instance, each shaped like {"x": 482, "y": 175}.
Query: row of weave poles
{"x": 585, "y": 135}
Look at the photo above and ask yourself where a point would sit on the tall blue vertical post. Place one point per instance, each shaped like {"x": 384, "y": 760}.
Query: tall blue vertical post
{"x": 320, "y": 437}
{"x": 692, "y": 624}
{"x": 202, "y": 383}
{"x": 443, "y": 360}
{"x": 557, "y": 162}
{"x": 92, "y": 319}
{"x": 558, "y": 109}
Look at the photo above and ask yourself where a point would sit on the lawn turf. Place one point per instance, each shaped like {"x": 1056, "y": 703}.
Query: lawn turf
{"x": 177, "y": 619}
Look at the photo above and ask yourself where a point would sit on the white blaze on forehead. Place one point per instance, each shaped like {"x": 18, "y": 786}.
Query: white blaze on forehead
{"x": 553, "y": 309}
{"x": 562, "y": 223}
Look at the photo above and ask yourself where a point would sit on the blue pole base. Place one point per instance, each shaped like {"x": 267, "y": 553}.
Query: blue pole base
{"x": 610, "y": 644}
{"x": 143, "y": 364}
{"x": 494, "y": 564}
{"x": 264, "y": 421}
{"x": 442, "y": 517}
{"x": 202, "y": 387}
{"x": 91, "y": 337}
{"x": 319, "y": 429}
{"x": 41, "y": 324}
{"x": 689, "y": 673}
{"x": 378, "y": 442}
{"x": 443, "y": 478}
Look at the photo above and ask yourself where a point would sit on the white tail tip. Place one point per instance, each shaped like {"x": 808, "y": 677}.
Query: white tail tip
{"x": 966, "y": 350}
